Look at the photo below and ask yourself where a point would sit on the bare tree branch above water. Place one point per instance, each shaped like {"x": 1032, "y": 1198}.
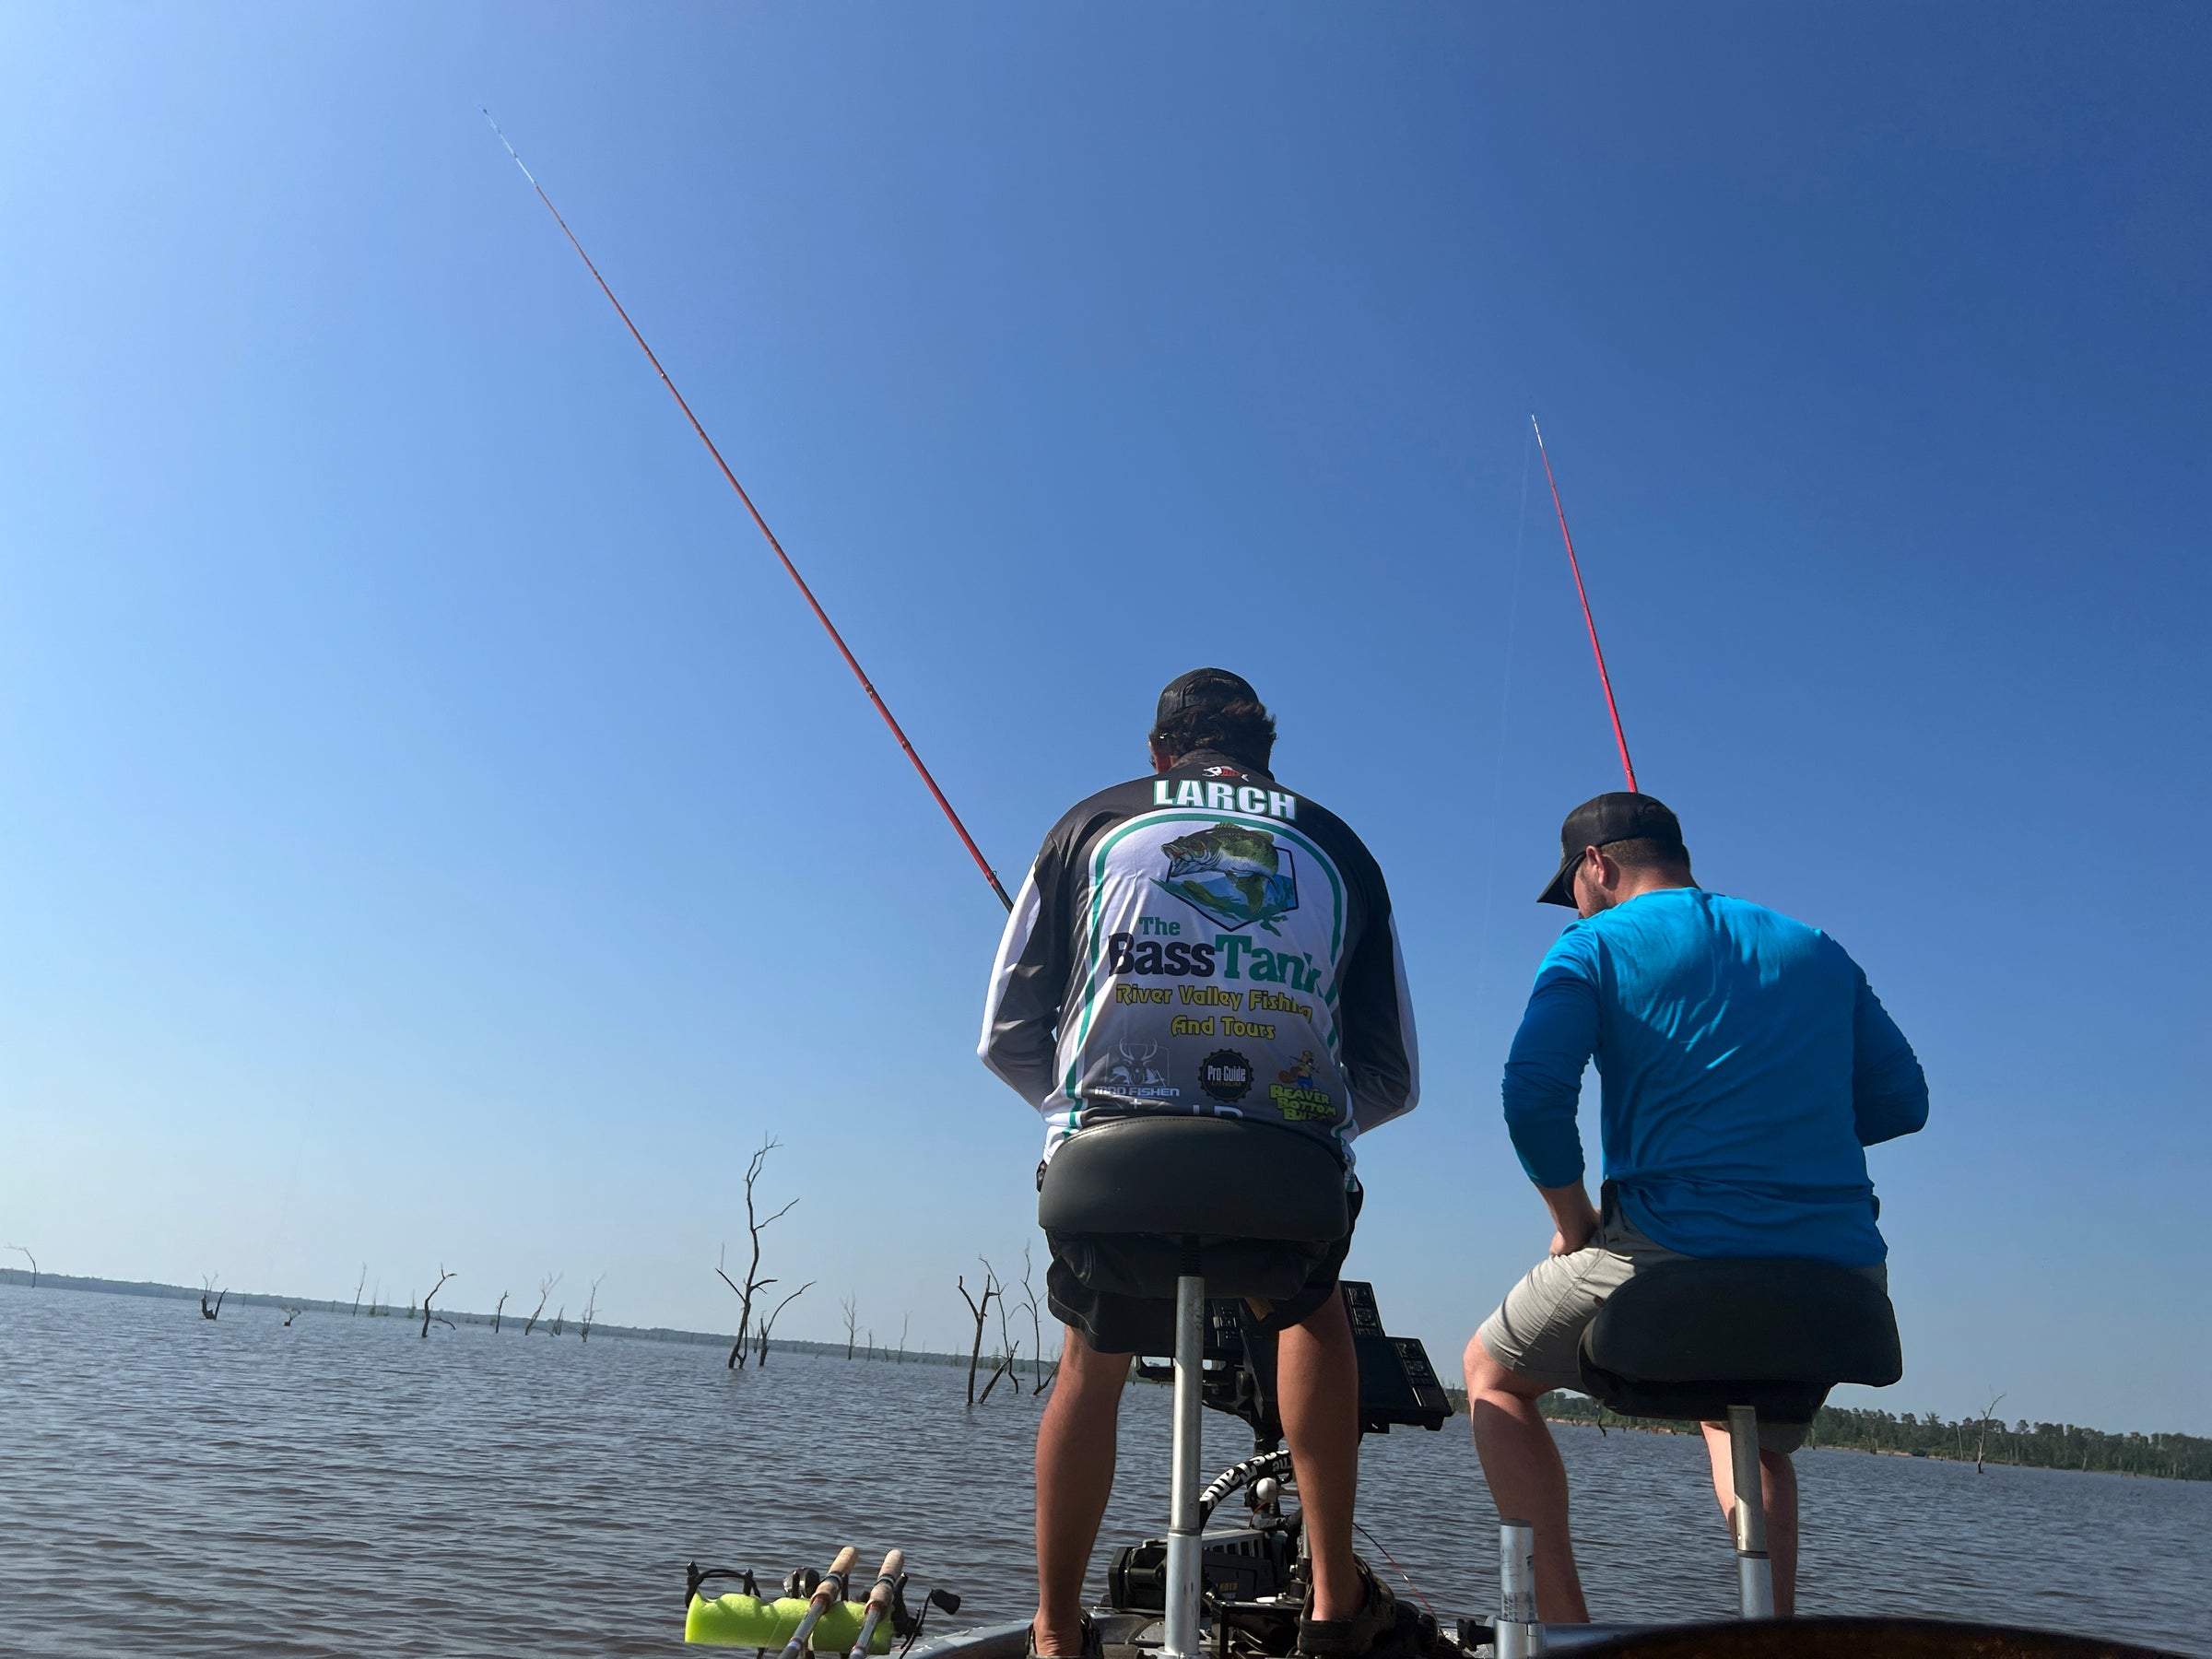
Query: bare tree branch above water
{"x": 32, "y": 1260}
{"x": 560, "y": 1318}
{"x": 982, "y": 1310}
{"x": 356, "y": 1291}
{"x": 850, "y": 1307}
{"x": 769, "y": 1323}
{"x": 497, "y": 1311}
{"x": 902, "y": 1325}
{"x": 755, "y": 1225}
{"x": 442, "y": 1277}
{"x": 545, "y": 1292}
{"x": 291, "y": 1314}
{"x": 1004, "y": 1368}
{"x": 1989, "y": 1413}
{"x": 591, "y": 1310}
{"x": 207, "y": 1284}
{"x": 1007, "y": 1346}
{"x": 1039, "y": 1382}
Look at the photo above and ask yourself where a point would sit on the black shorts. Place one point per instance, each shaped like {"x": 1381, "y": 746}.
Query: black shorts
{"x": 1145, "y": 1325}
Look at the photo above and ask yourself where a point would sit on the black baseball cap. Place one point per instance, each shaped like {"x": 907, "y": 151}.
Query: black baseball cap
{"x": 1201, "y": 687}
{"x": 1608, "y": 818}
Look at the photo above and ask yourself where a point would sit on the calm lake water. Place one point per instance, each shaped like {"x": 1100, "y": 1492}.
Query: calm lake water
{"x": 171, "y": 1486}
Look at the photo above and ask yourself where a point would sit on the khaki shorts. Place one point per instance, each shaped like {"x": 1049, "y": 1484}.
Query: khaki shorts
{"x": 1536, "y": 1332}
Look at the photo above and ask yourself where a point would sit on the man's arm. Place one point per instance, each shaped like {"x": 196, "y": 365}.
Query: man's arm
{"x": 1543, "y": 1086}
{"x": 1021, "y": 1010}
{"x": 1889, "y": 1090}
{"x": 1382, "y": 1056}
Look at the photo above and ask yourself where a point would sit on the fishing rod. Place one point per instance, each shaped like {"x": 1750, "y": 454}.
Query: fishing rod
{"x": 790, "y": 569}
{"x": 1627, "y": 768}
{"x": 880, "y": 1599}
{"x": 826, "y": 1593}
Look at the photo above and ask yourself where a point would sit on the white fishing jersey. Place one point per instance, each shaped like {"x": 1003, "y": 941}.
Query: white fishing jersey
{"x": 1204, "y": 941}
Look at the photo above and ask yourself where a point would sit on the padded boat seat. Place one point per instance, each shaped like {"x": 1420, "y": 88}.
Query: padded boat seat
{"x": 1688, "y": 1339}
{"x": 1132, "y": 1203}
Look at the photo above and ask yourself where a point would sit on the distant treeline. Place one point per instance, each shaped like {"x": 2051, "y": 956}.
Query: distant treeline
{"x": 391, "y": 1310}
{"x": 2029, "y": 1445}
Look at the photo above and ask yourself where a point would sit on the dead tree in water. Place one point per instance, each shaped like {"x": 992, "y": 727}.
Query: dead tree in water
{"x": 545, "y": 1289}
{"x": 851, "y": 1309}
{"x": 442, "y": 1277}
{"x": 291, "y": 1314}
{"x": 591, "y": 1310}
{"x": 207, "y": 1284}
{"x": 982, "y": 1310}
{"x": 755, "y": 1225}
{"x": 1039, "y": 1382}
{"x": 356, "y": 1290}
{"x": 1004, "y": 1368}
{"x": 769, "y": 1323}
{"x": 1982, "y": 1428}
{"x": 32, "y": 1260}
{"x": 1008, "y": 1348}
{"x": 560, "y": 1318}
{"x": 902, "y": 1325}
{"x": 497, "y": 1311}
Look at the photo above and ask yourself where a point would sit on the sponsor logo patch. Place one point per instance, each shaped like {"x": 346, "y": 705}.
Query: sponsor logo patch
{"x": 1225, "y": 1076}
{"x": 1140, "y": 1073}
{"x": 1232, "y": 873}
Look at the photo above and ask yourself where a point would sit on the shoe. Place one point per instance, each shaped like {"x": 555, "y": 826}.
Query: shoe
{"x": 1094, "y": 1645}
{"x": 1348, "y": 1638}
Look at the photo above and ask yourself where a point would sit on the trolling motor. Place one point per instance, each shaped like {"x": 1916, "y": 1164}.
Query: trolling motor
{"x": 813, "y": 1615}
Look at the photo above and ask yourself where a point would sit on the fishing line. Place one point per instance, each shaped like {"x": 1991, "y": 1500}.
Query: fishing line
{"x": 1505, "y": 702}
{"x": 1399, "y": 1571}
{"x": 1596, "y": 650}
{"x": 790, "y": 570}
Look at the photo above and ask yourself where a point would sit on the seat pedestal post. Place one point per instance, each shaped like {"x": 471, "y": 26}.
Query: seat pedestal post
{"x": 1183, "y": 1641}
{"x": 1754, "y": 1571}
{"x": 1518, "y": 1634}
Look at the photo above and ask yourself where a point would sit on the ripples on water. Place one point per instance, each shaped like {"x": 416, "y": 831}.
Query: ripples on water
{"x": 171, "y": 1486}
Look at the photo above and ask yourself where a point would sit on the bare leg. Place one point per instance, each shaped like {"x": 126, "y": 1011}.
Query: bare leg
{"x": 1317, "y": 1387}
{"x": 1778, "y": 1495}
{"x": 1527, "y": 1480}
{"x": 1075, "y": 1442}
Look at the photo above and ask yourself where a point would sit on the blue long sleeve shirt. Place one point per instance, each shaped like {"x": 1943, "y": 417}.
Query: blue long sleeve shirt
{"x": 1746, "y": 1067}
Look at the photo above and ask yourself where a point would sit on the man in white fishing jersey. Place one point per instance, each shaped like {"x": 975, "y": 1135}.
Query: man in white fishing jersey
{"x": 1203, "y": 940}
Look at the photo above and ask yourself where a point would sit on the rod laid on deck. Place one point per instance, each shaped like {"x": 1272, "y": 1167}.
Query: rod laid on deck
{"x": 790, "y": 569}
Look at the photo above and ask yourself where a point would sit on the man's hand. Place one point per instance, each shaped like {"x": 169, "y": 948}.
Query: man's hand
{"x": 1572, "y": 1215}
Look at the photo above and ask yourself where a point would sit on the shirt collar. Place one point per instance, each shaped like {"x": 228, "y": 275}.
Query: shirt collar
{"x": 1197, "y": 760}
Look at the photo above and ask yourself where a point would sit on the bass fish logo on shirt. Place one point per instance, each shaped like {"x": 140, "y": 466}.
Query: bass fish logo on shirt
{"x": 1232, "y": 873}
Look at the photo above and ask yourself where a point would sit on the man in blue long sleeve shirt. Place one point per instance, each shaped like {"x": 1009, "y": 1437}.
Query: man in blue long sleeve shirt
{"x": 1747, "y": 1066}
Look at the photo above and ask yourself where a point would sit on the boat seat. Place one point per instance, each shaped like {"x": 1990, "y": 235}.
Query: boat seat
{"x": 1132, "y": 1203}
{"x": 1688, "y": 1339}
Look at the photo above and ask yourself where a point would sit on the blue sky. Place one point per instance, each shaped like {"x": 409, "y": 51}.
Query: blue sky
{"x": 431, "y": 829}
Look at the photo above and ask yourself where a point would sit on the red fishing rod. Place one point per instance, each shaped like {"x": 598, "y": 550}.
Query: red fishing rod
{"x": 1628, "y": 767}
{"x": 790, "y": 570}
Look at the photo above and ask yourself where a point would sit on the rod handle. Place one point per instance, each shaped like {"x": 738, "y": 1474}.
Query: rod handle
{"x": 832, "y": 1587}
{"x": 888, "y": 1579}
